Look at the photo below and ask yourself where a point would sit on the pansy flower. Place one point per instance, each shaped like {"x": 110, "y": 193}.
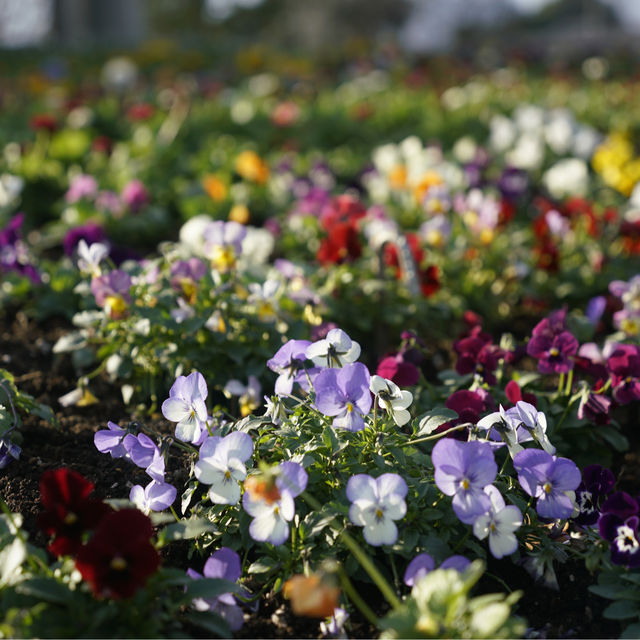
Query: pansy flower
{"x": 552, "y": 480}
{"x": 498, "y": 523}
{"x": 344, "y": 394}
{"x": 223, "y": 564}
{"x": 391, "y": 398}
{"x": 335, "y": 350}
{"x": 619, "y": 525}
{"x": 596, "y": 483}
{"x": 423, "y": 564}
{"x": 270, "y": 502}
{"x": 69, "y": 511}
{"x": 289, "y": 363}
{"x": 375, "y": 504}
{"x": 463, "y": 470}
{"x": 186, "y": 406}
{"x": 120, "y": 557}
{"x": 156, "y": 496}
{"x": 221, "y": 464}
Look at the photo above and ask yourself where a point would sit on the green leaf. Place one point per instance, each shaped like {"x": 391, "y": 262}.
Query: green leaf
{"x": 631, "y": 632}
{"x": 210, "y": 621}
{"x": 186, "y": 530}
{"x": 622, "y": 610}
{"x": 209, "y": 588}
{"x": 47, "y": 589}
{"x": 263, "y": 565}
{"x": 433, "y": 419}
{"x": 613, "y": 437}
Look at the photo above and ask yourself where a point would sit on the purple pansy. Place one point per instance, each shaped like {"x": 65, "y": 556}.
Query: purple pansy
{"x": 375, "y": 504}
{"x": 271, "y": 516}
{"x": 111, "y": 440}
{"x": 186, "y": 406}
{"x": 423, "y": 564}
{"x": 9, "y": 452}
{"x": 624, "y": 366}
{"x": 552, "y": 480}
{"x": 619, "y": 525}
{"x": 14, "y": 255}
{"x": 156, "y": 496}
{"x": 344, "y": 394}
{"x": 596, "y": 483}
{"x": 463, "y": 470}
{"x": 90, "y": 233}
{"x": 144, "y": 453}
{"x": 288, "y": 362}
{"x": 552, "y": 344}
{"x": 225, "y": 564}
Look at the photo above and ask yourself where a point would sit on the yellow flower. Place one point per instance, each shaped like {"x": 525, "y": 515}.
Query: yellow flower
{"x": 251, "y": 167}
{"x": 239, "y": 213}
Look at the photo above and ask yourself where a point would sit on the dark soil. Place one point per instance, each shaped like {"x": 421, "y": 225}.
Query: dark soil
{"x": 25, "y": 350}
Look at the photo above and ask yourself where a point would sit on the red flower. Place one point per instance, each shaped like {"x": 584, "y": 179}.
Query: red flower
{"x": 69, "y": 512}
{"x": 342, "y": 209}
{"x": 398, "y": 370}
{"x": 119, "y": 558}
{"x": 429, "y": 276}
{"x": 341, "y": 245}
{"x": 514, "y": 394}
{"x": 43, "y": 121}
{"x": 140, "y": 111}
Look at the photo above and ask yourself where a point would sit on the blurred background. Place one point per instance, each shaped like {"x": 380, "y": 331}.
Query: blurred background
{"x": 485, "y": 30}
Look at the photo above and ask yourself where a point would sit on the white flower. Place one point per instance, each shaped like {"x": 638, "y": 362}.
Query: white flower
{"x": 501, "y": 423}
{"x": 90, "y": 256}
{"x": 392, "y": 398}
{"x": 534, "y": 421}
{"x": 334, "y": 350}
{"x": 221, "y": 464}
{"x": 498, "y": 523}
{"x": 376, "y": 504}
{"x": 568, "y": 177}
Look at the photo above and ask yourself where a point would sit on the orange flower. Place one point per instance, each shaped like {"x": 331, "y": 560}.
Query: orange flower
{"x": 262, "y": 487}
{"x": 251, "y": 167}
{"x": 215, "y": 187}
{"x": 311, "y": 596}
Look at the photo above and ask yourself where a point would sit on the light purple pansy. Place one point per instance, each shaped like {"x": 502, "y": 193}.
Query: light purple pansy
{"x": 225, "y": 564}
{"x": 288, "y": 362}
{"x": 271, "y": 517}
{"x": 344, "y": 394}
{"x": 156, "y": 496}
{"x": 221, "y": 465}
{"x": 375, "y": 504}
{"x": 111, "y": 440}
{"x": 552, "y": 480}
{"x": 423, "y": 564}
{"x": 186, "y": 406}
{"x": 463, "y": 470}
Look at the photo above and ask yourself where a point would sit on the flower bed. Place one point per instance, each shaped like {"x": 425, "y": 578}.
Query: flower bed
{"x": 389, "y": 386}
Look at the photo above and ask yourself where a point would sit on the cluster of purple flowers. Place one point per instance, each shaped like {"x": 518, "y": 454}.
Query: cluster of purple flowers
{"x": 143, "y": 452}
{"x": 465, "y": 470}
{"x": 14, "y": 255}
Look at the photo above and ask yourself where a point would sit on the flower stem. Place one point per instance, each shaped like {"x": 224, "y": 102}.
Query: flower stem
{"x": 436, "y": 436}
{"x": 561, "y": 384}
{"x": 354, "y": 596}
{"x": 567, "y": 390}
{"x": 360, "y": 556}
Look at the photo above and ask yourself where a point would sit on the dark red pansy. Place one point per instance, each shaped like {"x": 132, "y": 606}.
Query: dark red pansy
{"x": 120, "y": 557}
{"x": 69, "y": 512}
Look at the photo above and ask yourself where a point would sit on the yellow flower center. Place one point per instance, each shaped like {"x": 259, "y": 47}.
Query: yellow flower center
{"x": 70, "y": 518}
{"x": 118, "y": 563}
{"x": 223, "y": 258}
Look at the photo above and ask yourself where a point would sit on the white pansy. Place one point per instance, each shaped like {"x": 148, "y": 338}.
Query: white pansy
{"x": 391, "y": 398}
